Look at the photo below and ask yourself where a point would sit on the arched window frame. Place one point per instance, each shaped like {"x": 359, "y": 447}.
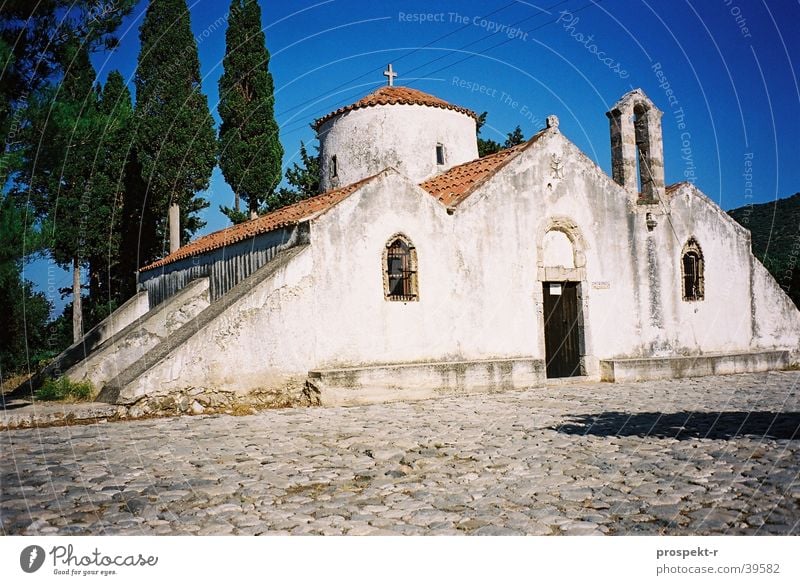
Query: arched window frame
{"x": 409, "y": 284}
{"x": 692, "y": 271}
{"x": 644, "y": 178}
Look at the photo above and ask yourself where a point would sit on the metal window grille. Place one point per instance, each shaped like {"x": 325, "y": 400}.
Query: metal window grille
{"x": 692, "y": 264}
{"x": 401, "y": 272}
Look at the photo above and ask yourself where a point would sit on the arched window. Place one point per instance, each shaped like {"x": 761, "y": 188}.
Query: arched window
{"x": 642, "y": 139}
{"x": 692, "y": 270}
{"x": 400, "y": 270}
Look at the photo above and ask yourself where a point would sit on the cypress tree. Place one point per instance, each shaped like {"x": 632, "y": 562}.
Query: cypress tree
{"x": 175, "y": 139}
{"x": 66, "y": 121}
{"x": 23, "y": 312}
{"x": 108, "y": 195}
{"x": 250, "y": 148}
{"x": 303, "y": 178}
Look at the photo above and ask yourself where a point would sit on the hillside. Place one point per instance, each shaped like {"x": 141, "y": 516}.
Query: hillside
{"x": 775, "y": 228}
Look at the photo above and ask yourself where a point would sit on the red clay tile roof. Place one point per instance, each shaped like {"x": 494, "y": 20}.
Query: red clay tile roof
{"x": 289, "y": 215}
{"x": 387, "y": 95}
{"x": 671, "y": 188}
{"x": 454, "y": 185}
{"x": 450, "y": 188}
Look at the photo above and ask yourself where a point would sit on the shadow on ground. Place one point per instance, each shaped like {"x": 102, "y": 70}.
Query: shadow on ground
{"x": 686, "y": 425}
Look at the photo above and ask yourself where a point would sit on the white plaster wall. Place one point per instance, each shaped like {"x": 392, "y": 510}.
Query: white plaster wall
{"x": 480, "y": 281}
{"x": 480, "y": 297}
{"x": 505, "y": 221}
{"x": 138, "y": 338}
{"x": 722, "y": 321}
{"x": 479, "y": 278}
{"x": 777, "y": 320}
{"x": 259, "y": 342}
{"x": 353, "y": 322}
{"x": 108, "y": 329}
{"x": 402, "y": 136}
{"x": 558, "y": 250}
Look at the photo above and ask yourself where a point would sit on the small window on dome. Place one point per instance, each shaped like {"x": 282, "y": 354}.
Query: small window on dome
{"x": 439, "y": 154}
{"x": 334, "y": 167}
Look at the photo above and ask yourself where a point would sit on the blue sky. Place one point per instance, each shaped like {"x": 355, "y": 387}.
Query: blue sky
{"x": 725, "y": 73}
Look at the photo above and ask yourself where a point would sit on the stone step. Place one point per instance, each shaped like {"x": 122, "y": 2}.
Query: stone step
{"x": 142, "y": 335}
{"x": 655, "y": 368}
{"x": 421, "y": 380}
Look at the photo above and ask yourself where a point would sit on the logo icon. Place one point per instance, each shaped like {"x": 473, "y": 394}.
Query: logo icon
{"x": 31, "y": 558}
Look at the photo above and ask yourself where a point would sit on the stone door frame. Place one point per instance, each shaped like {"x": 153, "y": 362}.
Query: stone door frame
{"x": 588, "y": 362}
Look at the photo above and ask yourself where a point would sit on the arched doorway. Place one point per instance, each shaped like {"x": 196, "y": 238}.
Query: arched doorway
{"x": 561, "y": 274}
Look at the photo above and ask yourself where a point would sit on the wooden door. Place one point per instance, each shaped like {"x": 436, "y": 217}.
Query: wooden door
{"x": 561, "y": 329}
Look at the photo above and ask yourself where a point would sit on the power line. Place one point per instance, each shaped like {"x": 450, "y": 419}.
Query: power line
{"x": 372, "y": 70}
{"x": 584, "y": 7}
{"x": 295, "y": 126}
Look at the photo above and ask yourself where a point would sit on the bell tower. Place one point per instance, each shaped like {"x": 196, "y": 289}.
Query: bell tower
{"x": 637, "y": 147}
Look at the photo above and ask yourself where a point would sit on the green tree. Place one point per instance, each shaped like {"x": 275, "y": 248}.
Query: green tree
{"x": 38, "y": 41}
{"x": 250, "y": 148}
{"x": 39, "y": 34}
{"x": 304, "y": 179}
{"x": 774, "y": 230}
{"x": 60, "y": 170}
{"x": 514, "y": 138}
{"x": 23, "y": 312}
{"x": 140, "y": 241}
{"x": 108, "y": 192}
{"x": 9, "y": 127}
{"x": 485, "y": 145}
{"x": 174, "y": 132}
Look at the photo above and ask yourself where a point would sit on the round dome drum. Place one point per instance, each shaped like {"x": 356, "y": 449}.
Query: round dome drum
{"x": 416, "y": 133}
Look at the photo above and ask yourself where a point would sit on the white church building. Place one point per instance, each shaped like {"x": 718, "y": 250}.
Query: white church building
{"x": 424, "y": 270}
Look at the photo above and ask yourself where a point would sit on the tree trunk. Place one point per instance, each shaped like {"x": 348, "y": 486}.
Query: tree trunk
{"x": 77, "y": 308}
{"x": 174, "y": 227}
{"x": 96, "y": 280}
{"x": 236, "y": 201}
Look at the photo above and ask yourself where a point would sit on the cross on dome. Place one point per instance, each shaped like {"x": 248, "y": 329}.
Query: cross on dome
{"x": 390, "y": 75}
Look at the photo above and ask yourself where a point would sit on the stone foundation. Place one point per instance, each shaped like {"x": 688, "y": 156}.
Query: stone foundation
{"x": 642, "y": 369}
{"x": 200, "y": 401}
{"x": 415, "y": 381}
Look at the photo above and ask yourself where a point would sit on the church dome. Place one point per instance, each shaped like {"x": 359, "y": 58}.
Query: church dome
{"x": 418, "y": 134}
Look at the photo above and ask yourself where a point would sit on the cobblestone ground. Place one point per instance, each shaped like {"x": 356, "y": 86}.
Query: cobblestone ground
{"x": 697, "y": 456}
